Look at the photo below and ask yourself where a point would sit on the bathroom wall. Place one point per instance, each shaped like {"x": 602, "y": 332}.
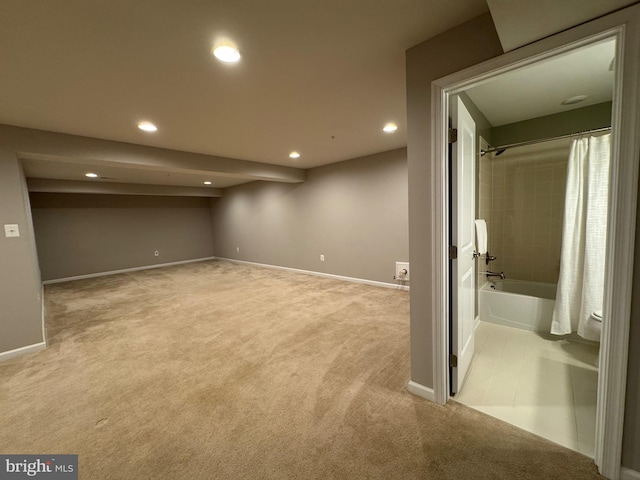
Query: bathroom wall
{"x": 484, "y": 205}
{"x": 527, "y": 206}
{"x": 549, "y": 126}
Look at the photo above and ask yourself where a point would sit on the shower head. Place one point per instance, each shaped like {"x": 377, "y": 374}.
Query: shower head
{"x": 495, "y": 151}
{"x": 500, "y": 152}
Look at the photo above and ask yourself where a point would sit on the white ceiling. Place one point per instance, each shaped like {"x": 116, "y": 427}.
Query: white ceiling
{"x": 520, "y": 22}
{"x": 321, "y": 78}
{"x": 539, "y": 89}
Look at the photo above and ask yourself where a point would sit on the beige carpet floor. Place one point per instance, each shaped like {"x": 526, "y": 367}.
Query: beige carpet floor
{"x": 220, "y": 371}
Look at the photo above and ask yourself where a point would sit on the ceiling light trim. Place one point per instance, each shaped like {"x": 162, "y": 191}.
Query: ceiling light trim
{"x": 226, "y": 53}
{"x": 574, "y": 100}
{"x": 147, "y": 127}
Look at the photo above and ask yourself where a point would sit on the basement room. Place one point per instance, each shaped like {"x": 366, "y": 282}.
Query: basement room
{"x": 251, "y": 240}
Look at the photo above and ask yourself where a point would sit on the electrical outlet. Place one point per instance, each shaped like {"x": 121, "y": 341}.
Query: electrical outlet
{"x": 322, "y": 258}
{"x": 156, "y": 253}
{"x": 402, "y": 271}
{"x": 238, "y": 249}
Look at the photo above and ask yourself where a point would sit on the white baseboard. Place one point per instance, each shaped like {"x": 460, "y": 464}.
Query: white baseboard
{"x": 628, "y": 474}
{"x": 43, "y": 313}
{"x": 36, "y": 347}
{"x": 321, "y": 274}
{"x": 421, "y": 390}
{"x": 125, "y": 270}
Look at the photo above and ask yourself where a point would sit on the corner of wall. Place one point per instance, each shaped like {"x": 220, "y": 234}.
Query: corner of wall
{"x": 463, "y": 46}
{"x": 20, "y": 285}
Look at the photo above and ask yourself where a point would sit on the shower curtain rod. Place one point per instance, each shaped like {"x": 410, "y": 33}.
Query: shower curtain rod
{"x": 541, "y": 140}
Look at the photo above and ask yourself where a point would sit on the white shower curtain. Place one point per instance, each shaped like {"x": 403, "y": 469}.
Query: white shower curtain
{"x": 584, "y": 235}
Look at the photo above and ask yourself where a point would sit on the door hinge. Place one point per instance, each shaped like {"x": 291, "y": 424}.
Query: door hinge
{"x": 453, "y": 252}
{"x": 453, "y": 135}
{"x": 453, "y": 361}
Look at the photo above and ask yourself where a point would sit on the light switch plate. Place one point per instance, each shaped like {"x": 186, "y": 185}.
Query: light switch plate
{"x": 11, "y": 230}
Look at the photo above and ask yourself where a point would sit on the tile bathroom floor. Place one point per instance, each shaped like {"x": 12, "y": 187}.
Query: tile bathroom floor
{"x": 540, "y": 383}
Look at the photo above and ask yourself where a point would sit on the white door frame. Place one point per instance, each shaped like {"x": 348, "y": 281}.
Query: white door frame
{"x": 624, "y": 25}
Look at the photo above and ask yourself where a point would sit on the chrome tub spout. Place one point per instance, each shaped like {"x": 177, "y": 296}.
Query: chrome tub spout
{"x": 495, "y": 274}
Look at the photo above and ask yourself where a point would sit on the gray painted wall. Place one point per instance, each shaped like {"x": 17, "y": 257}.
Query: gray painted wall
{"x": 353, "y": 212}
{"x": 565, "y": 123}
{"x": 20, "y": 290}
{"x": 631, "y": 437}
{"x": 483, "y": 127}
{"x": 79, "y": 234}
{"x": 454, "y": 50}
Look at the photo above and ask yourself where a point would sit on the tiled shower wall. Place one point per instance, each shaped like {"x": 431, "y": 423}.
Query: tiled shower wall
{"x": 485, "y": 189}
{"x": 521, "y": 196}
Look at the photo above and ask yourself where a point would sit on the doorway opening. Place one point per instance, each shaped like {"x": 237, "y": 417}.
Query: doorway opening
{"x": 620, "y": 222}
{"x": 522, "y": 373}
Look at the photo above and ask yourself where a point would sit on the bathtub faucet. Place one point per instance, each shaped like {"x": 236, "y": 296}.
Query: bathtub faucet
{"x": 495, "y": 274}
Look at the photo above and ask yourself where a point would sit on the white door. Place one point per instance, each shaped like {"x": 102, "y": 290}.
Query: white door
{"x": 463, "y": 268}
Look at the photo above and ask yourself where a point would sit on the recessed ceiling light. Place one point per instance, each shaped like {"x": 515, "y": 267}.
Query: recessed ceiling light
{"x": 390, "y": 127}
{"x": 574, "y": 100}
{"x": 226, "y": 53}
{"x": 147, "y": 126}
{"x": 91, "y": 175}
{"x": 294, "y": 155}
{"x": 207, "y": 182}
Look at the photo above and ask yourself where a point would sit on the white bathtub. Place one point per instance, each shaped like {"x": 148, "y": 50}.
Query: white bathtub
{"x": 519, "y": 304}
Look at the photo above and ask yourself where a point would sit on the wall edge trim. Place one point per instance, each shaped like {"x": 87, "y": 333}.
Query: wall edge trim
{"x": 124, "y": 270}
{"x": 628, "y": 474}
{"x": 320, "y": 274}
{"x": 16, "y": 352}
{"x": 43, "y": 313}
{"x": 421, "y": 391}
